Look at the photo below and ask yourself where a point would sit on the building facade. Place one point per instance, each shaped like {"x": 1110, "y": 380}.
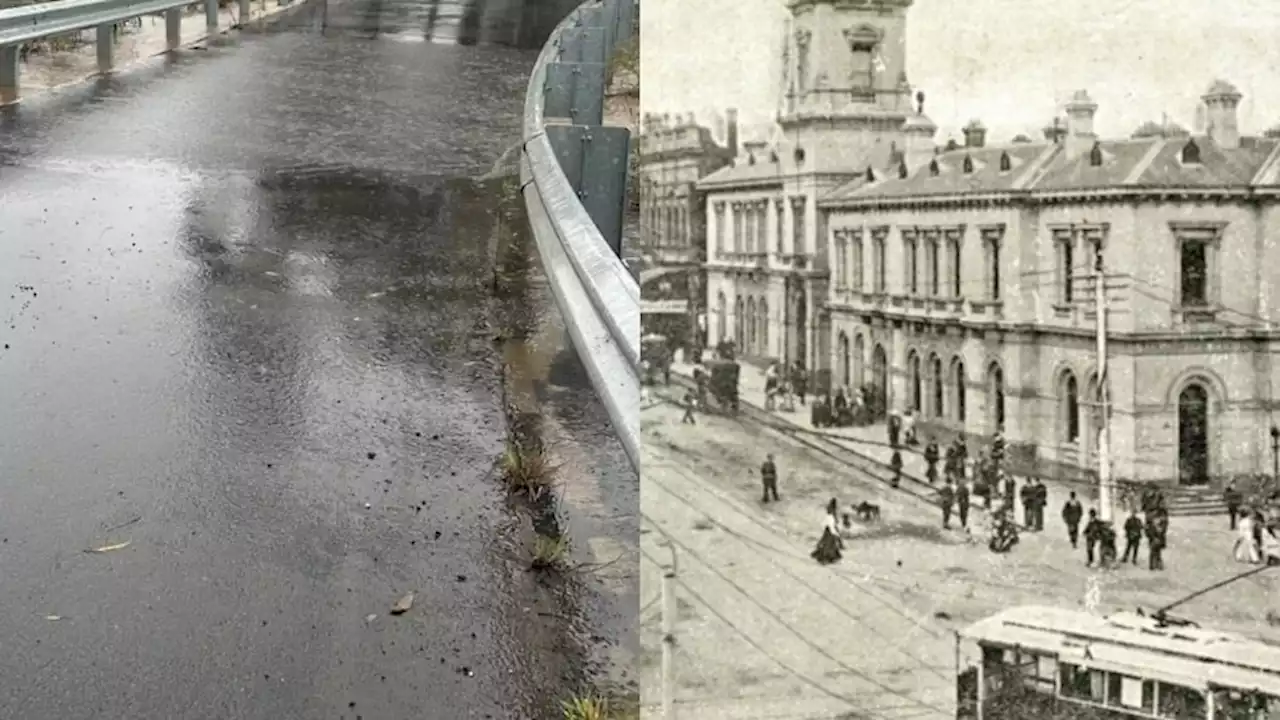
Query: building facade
{"x": 963, "y": 283}
{"x": 674, "y": 154}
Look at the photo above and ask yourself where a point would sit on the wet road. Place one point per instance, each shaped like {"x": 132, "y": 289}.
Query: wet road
{"x": 247, "y": 331}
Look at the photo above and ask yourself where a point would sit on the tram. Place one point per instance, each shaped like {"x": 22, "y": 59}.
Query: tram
{"x": 1043, "y": 663}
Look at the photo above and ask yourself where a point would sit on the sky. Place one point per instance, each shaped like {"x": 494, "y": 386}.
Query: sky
{"x": 1009, "y": 63}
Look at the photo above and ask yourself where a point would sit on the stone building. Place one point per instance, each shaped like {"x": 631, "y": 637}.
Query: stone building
{"x": 674, "y": 154}
{"x": 962, "y": 283}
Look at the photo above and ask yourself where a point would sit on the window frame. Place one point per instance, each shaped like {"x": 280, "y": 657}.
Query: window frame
{"x": 1209, "y": 236}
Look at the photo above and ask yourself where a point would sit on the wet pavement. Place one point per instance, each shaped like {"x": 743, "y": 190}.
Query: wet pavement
{"x": 248, "y": 330}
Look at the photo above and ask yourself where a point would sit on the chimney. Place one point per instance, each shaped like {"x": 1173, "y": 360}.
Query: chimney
{"x": 1220, "y": 103}
{"x": 1080, "y": 136}
{"x": 1055, "y": 131}
{"x": 731, "y": 131}
{"x": 975, "y": 134}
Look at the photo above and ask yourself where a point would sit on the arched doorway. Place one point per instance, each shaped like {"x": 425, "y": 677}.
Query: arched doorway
{"x": 935, "y": 376}
{"x": 995, "y": 397}
{"x": 750, "y": 322}
{"x": 958, "y": 388}
{"x": 846, "y": 369}
{"x": 915, "y": 389}
{"x": 1193, "y": 435}
{"x": 880, "y": 377}
{"x": 722, "y": 318}
{"x": 859, "y": 361}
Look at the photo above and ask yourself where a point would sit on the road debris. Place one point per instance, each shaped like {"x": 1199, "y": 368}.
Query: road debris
{"x": 53, "y": 618}
{"x": 111, "y": 548}
{"x": 135, "y": 519}
{"x": 371, "y": 617}
{"x": 402, "y": 605}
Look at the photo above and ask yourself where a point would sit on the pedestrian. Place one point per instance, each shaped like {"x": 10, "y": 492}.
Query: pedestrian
{"x": 931, "y": 461}
{"x": 1027, "y": 496}
{"x": 1245, "y": 548}
{"x": 1132, "y": 537}
{"x": 1233, "y": 498}
{"x": 800, "y": 381}
{"x": 1157, "y": 533}
{"x": 1072, "y": 512}
{"x": 769, "y": 479}
{"x": 895, "y": 462}
{"x": 962, "y": 504}
{"x": 962, "y": 460}
{"x": 894, "y": 427}
{"x": 1092, "y": 536}
{"x": 690, "y": 404}
{"x": 1041, "y": 498}
{"x": 829, "y": 544}
{"x": 771, "y": 383}
{"x": 946, "y": 500}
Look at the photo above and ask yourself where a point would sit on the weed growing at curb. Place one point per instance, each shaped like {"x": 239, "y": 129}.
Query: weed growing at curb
{"x": 596, "y": 707}
{"x": 527, "y": 471}
{"x": 549, "y": 553}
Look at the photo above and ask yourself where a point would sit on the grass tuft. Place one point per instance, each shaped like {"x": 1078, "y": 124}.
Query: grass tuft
{"x": 527, "y": 472}
{"x": 586, "y": 708}
{"x": 549, "y": 552}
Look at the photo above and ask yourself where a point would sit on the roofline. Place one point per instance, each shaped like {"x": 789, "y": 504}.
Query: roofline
{"x": 1034, "y": 196}
{"x": 1267, "y": 166}
{"x": 776, "y": 179}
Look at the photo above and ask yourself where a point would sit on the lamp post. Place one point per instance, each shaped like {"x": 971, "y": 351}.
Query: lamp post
{"x": 1275, "y": 453}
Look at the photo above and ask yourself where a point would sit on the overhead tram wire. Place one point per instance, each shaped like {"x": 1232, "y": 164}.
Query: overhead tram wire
{"x": 773, "y": 615}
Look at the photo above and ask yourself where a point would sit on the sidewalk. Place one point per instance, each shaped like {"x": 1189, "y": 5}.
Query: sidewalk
{"x": 872, "y": 441}
{"x": 46, "y": 71}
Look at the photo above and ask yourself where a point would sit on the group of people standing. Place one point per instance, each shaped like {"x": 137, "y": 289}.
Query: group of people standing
{"x": 1257, "y": 535}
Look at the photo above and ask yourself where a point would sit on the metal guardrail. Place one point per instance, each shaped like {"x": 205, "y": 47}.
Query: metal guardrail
{"x": 20, "y": 25}
{"x": 573, "y": 174}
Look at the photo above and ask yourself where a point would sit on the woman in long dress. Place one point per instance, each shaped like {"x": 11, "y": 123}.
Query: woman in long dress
{"x": 830, "y": 544}
{"x": 1246, "y": 547}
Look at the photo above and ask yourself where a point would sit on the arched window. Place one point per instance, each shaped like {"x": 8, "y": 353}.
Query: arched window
{"x": 1069, "y": 404}
{"x": 995, "y": 396}
{"x": 936, "y": 377}
{"x": 916, "y": 389}
{"x": 958, "y": 387}
{"x": 722, "y": 319}
{"x": 880, "y": 375}
{"x": 739, "y": 308}
{"x": 750, "y": 348}
{"x": 859, "y": 355}
{"x": 846, "y": 369}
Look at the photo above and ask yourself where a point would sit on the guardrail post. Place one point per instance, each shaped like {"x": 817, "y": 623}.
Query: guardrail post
{"x": 245, "y": 12}
{"x": 106, "y": 47}
{"x": 8, "y": 73}
{"x": 575, "y": 81}
{"x": 594, "y": 160}
{"x": 173, "y": 28}
{"x": 211, "y": 16}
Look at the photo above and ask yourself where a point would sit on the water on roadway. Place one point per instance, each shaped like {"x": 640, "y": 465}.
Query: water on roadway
{"x": 246, "y": 311}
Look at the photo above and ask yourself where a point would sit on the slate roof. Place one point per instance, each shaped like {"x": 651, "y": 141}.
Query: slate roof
{"x": 1151, "y": 162}
{"x": 743, "y": 173}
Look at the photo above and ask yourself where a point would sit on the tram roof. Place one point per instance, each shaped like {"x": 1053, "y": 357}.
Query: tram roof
{"x": 1183, "y": 655}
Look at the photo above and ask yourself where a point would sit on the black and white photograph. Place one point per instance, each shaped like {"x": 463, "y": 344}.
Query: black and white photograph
{"x": 959, "y": 353}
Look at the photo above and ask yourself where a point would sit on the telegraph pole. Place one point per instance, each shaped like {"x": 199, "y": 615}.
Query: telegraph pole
{"x": 669, "y": 638}
{"x": 1105, "y": 494}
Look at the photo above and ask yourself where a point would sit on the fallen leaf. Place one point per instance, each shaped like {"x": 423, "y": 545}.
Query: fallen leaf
{"x": 402, "y": 605}
{"x": 109, "y": 548}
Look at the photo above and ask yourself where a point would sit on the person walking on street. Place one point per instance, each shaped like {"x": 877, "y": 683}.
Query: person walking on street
{"x": 1233, "y": 498}
{"x": 1041, "y": 501}
{"x": 962, "y": 504}
{"x": 1157, "y": 532}
{"x": 1092, "y": 536}
{"x": 946, "y": 499}
{"x": 962, "y": 460}
{"x": 690, "y": 404}
{"x": 1132, "y": 537}
{"x": 1245, "y": 548}
{"x": 1072, "y": 513}
{"x": 1028, "y": 497}
{"x": 895, "y": 462}
{"x": 931, "y": 461}
{"x": 894, "y": 428}
{"x": 769, "y": 479}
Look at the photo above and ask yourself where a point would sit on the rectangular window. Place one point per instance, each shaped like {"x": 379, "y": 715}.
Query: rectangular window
{"x": 749, "y": 231}
{"x": 953, "y": 251}
{"x": 1066, "y": 270}
{"x": 798, "y": 213}
{"x": 838, "y": 241}
{"x": 1194, "y": 274}
{"x": 781, "y": 236}
{"x": 911, "y": 279}
{"x": 1080, "y": 683}
{"x": 719, "y": 213}
{"x": 934, "y": 260}
{"x": 736, "y": 214}
{"x": 881, "y": 264}
{"x": 855, "y": 257}
{"x": 1130, "y": 692}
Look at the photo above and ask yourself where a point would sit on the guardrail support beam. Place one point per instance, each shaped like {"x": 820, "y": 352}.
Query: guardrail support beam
{"x": 575, "y": 92}
{"x": 594, "y": 160}
{"x": 245, "y": 12}
{"x": 8, "y": 74}
{"x": 173, "y": 28}
{"x": 106, "y": 47}
{"x": 211, "y": 15}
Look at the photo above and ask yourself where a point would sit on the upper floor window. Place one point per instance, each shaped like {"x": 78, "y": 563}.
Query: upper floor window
{"x": 992, "y": 237}
{"x": 953, "y": 260}
{"x": 737, "y": 227}
{"x": 863, "y": 43}
{"x": 880, "y": 263}
{"x": 839, "y": 239}
{"x": 1197, "y": 246}
{"x": 910, "y": 280}
{"x": 1065, "y": 243}
{"x": 718, "y": 210}
{"x": 748, "y": 227}
{"x": 798, "y": 227}
{"x": 934, "y": 263}
{"x": 780, "y": 236}
{"x": 855, "y": 258}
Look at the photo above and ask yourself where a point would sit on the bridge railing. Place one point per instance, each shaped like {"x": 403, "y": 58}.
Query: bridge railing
{"x": 573, "y": 174}
{"x": 20, "y": 25}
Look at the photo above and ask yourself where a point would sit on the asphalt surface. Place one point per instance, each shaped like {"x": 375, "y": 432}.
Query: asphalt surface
{"x": 246, "y": 331}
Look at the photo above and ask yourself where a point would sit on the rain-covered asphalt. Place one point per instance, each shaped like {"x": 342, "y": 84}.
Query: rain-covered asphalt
{"x": 245, "y": 297}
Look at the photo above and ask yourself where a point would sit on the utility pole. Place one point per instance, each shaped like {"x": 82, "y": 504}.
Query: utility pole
{"x": 669, "y": 638}
{"x": 1105, "y": 494}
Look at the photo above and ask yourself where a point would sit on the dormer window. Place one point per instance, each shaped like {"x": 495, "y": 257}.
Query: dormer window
{"x": 1006, "y": 162}
{"x": 902, "y": 169}
{"x": 1191, "y": 153}
{"x": 933, "y": 168}
{"x": 1095, "y": 155}
{"x": 799, "y": 156}
{"x": 751, "y": 159}
{"x": 871, "y": 174}
{"x": 968, "y": 165}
